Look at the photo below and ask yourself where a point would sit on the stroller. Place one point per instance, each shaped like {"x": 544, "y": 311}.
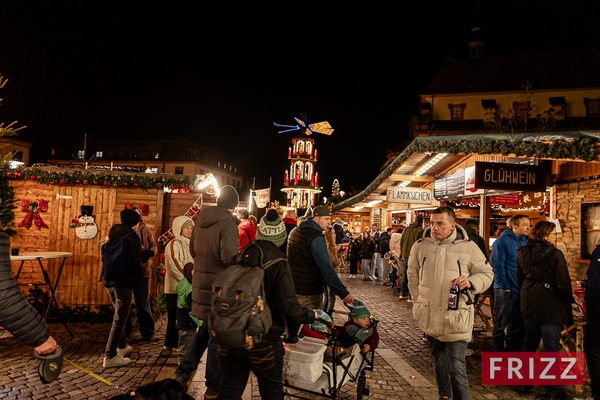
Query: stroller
{"x": 321, "y": 366}
{"x": 398, "y": 264}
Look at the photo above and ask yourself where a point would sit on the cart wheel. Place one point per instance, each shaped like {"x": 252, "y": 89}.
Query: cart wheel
{"x": 361, "y": 386}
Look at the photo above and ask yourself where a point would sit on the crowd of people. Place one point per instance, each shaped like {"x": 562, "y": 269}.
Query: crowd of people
{"x": 531, "y": 288}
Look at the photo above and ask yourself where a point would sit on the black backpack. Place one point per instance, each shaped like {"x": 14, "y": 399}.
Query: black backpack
{"x": 114, "y": 258}
{"x": 240, "y": 316}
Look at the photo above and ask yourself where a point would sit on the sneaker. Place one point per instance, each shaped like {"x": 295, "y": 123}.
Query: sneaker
{"x": 352, "y": 276}
{"x": 369, "y": 278}
{"x": 116, "y": 361}
{"x": 402, "y": 296}
{"x": 409, "y": 299}
{"x": 125, "y": 351}
{"x": 366, "y": 278}
{"x": 210, "y": 394}
{"x": 379, "y": 280}
{"x": 468, "y": 352}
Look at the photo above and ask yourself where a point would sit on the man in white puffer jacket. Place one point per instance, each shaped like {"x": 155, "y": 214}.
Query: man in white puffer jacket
{"x": 443, "y": 257}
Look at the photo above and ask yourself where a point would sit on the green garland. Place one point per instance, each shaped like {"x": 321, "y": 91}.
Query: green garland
{"x": 101, "y": 179}
{"x": 6, "y": 204}
{"x": 577, "y": 149}
{"x": 83, "y": 178}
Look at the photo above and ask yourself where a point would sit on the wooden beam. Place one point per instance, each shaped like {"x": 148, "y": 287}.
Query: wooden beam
{"x": 401, "y": 177}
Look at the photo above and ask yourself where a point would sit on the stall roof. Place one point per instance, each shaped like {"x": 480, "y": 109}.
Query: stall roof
{"x": 577, "y": 145}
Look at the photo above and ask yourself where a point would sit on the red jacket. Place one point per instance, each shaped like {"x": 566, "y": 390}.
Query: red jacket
{"x": 247, "y": 232}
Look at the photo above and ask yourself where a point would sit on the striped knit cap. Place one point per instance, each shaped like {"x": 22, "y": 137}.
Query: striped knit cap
{"x": 272, "y": 228}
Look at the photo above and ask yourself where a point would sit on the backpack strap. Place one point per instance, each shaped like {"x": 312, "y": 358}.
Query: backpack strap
{"x": 174, "y": 259}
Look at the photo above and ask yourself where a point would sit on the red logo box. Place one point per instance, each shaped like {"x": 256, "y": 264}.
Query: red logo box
{"x": 532, "y": 368}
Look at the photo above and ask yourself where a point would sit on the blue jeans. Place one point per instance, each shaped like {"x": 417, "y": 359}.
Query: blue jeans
{"x": 191, "y": 359}
{"x": 404, "y": 282}
{"x": 121, "y": 300}
{"x": 507, "y": 316}
{"x": 265, "y": 360}
{"x": 366, "y": 266}
{"x": 377, "y": 263}
{"x": 450, "y": 368}
{"x": 550, "y": 334}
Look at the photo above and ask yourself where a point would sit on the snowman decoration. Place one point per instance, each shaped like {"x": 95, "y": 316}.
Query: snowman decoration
{"x": 85, "y": 227}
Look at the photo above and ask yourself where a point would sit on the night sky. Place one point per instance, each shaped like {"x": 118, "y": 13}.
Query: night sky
{"x": 221, "y": 75}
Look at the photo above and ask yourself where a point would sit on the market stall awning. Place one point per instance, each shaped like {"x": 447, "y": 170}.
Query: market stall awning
{"x": 405, "y": 168}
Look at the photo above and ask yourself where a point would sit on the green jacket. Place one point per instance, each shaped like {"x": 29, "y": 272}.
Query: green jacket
{"x": 184, "y": 289}
{"x": 411, "y": 234}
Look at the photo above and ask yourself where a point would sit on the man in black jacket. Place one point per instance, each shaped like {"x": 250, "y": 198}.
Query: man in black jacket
{"x": 265, "y": 359}
{"x": 120, "y": 290}
{"x": 16, "y": 314}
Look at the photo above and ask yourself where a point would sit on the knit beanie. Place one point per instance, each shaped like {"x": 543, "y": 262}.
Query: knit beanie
{"x": 188, "y": 222}
{"x": 359, "y": 310}
{"x": 130, "y": 217}
{"x": 228, "y": 197}
{"x": 272, "y": 228}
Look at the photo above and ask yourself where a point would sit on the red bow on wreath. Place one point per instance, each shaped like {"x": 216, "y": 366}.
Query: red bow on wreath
{"x": 34, "y": 209}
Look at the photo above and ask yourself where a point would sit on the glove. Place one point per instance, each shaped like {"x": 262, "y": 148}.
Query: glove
{"x": 321, "y": 315}
{"x": 146, "y": 255}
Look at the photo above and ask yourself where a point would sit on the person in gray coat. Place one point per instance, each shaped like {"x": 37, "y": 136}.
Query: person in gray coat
{"x": 16, "y": 314}
{"x": 214, "y": 243}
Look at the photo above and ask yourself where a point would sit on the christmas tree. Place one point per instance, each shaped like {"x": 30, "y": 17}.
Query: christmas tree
{"x": 6, "y": 190}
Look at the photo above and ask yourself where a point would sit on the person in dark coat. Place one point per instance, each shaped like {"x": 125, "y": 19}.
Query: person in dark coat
{"x": 367, "y": 249}
{"x": 384, "y": 246}
{"x": 546, "y": 293}
{"x": 289, "y": 219}
{"x": 265, "y": 359}
{"x": 592, "y": 339}
{"x": 120, "y": 290}
{"x": 353, "y": 254}
{"x": 16, "y": 314}
{"x": 472, "y": 228}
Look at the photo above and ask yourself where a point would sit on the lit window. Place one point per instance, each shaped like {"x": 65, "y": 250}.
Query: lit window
{"x": 592, "y": 107}
{"x": 156, "y": 155}
{"x": 98, "y": 154}
{"x": 80, "y": 154}
{"x": 457, "y": 111}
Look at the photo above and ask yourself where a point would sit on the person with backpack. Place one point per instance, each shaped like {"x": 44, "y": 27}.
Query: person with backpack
{"x": 264, "y": 358}
{"x": 141, "y": 294}
{"x": 122, "y": 271}
{"x": 214, "y": 243}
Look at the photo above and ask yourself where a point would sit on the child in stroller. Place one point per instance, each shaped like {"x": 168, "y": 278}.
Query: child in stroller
{"x": 360, "y": 329}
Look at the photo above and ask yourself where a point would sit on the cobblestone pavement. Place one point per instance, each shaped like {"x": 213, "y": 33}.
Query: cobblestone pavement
{"x": 402, "y": 367}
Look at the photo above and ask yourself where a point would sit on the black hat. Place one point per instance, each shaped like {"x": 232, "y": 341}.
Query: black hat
{"x": 130, "y": 217}
{"x": 321, "y": 211}
{"x": 228, "y": 197}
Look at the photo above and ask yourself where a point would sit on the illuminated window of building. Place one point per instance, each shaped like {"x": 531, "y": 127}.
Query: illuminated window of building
{"x": 154, "y": 170}
{"x": 98, "y": 154}
{"x": 179, "y": 170}
{"x": 592, "y": 107}
{"x": 457, "y": 111}
{"x": 80, "y": 154}
{"x": 156, "y": 155}
{"x": 218, "y": 163}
